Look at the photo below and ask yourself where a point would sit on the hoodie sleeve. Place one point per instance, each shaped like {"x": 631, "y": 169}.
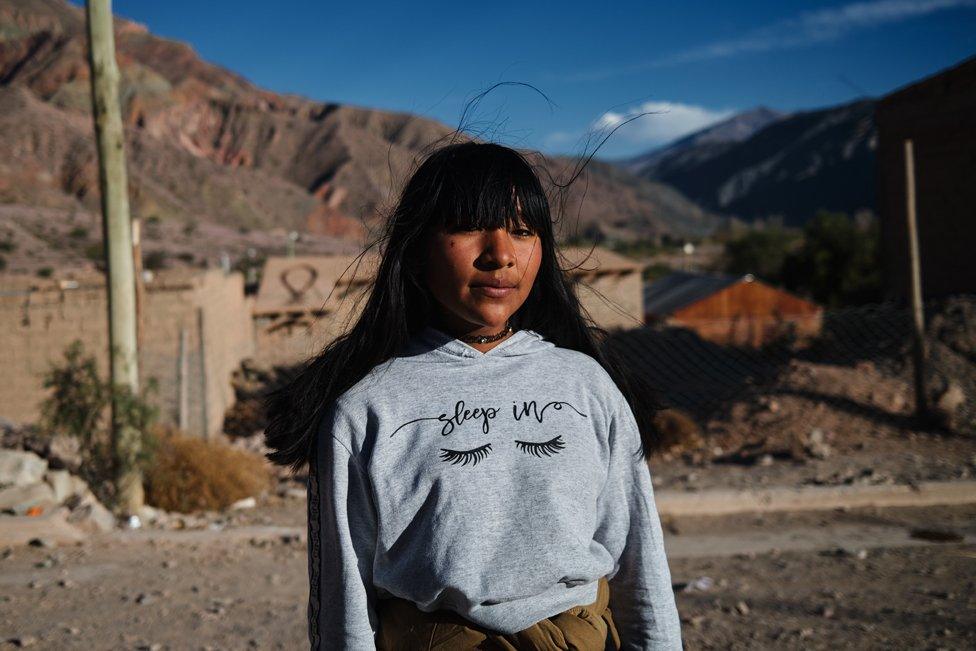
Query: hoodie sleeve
{"x": 341, "y": 543}
{"x": 641, "y": 598}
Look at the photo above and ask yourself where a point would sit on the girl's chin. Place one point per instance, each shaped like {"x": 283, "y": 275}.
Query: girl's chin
{"x": 498, "y": 317}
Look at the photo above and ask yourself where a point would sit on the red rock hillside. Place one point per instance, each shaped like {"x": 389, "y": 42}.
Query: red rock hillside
{"x": 208, "y": 152}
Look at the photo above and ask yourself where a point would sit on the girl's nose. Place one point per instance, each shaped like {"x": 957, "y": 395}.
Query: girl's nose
{"x": 498, "y": 247}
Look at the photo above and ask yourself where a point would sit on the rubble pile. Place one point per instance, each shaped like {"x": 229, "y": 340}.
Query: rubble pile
{"x": 43, "y": 500}
{"x": 245, "y": 418}
{"x": 33, "y": 492}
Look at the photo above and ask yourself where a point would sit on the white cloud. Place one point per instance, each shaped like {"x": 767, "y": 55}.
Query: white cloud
{"x": 667, "y": 121}
{"x": 808, "y": 28}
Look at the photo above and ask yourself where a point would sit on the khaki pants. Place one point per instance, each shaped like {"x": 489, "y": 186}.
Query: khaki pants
{"x": 404, "y": 627}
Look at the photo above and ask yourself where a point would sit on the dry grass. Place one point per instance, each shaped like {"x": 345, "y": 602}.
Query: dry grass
{"x": 191, "y": 474}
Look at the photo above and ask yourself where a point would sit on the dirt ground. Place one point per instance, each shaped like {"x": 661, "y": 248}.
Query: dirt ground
{"x": 863, "y": 596}
{"x": 819, "y": 424}
{"x": 228, "y": 591}
{"x": 870, "y": 458}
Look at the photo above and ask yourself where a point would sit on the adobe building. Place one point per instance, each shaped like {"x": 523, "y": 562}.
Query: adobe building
{"x": 938, "y": 114}
{"x": 729, "y": 310}
{"x": 609, "y": 285}
{"x": 305, "y": 302}
{"x": 196, "y": 329}
{"x": 199, "y": 325}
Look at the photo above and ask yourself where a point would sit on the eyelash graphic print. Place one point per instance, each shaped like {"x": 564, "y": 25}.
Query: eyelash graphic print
{"x": 548, "y": 448}
{"x": 486, "y": 415}
{"x": 464, "y": 456}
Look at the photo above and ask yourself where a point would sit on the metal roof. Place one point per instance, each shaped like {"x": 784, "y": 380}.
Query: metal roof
{"x": 680, "y": 288}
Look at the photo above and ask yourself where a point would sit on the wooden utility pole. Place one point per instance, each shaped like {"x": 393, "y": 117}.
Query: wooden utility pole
{"x": 117, "y": 231}
{"x": 140, "y": 285}
{"x": 918, "y": 315}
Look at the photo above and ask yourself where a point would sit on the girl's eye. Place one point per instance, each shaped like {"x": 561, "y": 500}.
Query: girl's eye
{"x": 464, "y": 456}
{"x": 548, "y": 448}
{"x": 525, "y": 232}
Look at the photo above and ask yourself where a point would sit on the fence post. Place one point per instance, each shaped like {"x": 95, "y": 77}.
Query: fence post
{"x": 204, "y": 385}
{"x": 183, "y": 382}
{"x": 918, "y": 315}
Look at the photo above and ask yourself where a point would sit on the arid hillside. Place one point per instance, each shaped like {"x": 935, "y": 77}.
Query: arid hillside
{"x": 205, "y": 146}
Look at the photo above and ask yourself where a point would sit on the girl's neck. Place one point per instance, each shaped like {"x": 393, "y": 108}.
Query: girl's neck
{"x": 459, "y": 330}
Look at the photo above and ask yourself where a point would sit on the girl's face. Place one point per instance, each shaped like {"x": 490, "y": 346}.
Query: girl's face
{"x": 463, "y": 265}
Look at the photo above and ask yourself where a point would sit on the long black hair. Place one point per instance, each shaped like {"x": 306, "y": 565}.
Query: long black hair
{"x": 461, "y": 185}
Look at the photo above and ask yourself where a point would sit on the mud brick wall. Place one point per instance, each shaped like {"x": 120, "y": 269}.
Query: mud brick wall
{"x": 285, "y": 340}
{"x": 203, "y": 314}
{"x": 615, "y": 300}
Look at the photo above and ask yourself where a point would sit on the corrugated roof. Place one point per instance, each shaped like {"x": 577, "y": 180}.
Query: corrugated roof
{"x": 680, "y": 288}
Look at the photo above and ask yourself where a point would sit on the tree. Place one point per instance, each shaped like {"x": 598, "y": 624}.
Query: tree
{"x": 838, "y": 262}
{"x": 760, "y": 252}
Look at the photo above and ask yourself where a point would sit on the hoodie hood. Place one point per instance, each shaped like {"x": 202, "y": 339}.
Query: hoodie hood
{"x": 433, "y": 344}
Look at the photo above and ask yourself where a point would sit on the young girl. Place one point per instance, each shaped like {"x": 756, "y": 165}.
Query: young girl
{"x": 476, "y": 469}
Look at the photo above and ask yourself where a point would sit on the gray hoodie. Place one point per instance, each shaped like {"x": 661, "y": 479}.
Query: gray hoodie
{"x": 498, "y": 485}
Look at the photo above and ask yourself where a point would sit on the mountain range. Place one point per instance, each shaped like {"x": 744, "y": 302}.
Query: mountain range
{"x": 209, "y": 152}
{"x": 762, "y": 163}
{"x": 703, "y": 145}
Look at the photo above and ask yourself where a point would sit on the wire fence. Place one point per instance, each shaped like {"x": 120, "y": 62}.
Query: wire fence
{"x": 864, "y": 350}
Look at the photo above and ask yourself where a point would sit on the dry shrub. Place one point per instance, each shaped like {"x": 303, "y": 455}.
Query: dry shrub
{"x": 245, "y": 417}
{"x": 191, "y": 474}
{"x": 678, "y": 431}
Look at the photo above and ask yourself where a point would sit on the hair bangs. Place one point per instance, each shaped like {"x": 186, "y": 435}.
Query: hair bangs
{"x": 489, "y": 187}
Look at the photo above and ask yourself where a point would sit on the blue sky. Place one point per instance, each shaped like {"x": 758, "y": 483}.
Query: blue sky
{"x": 690, "y": 62}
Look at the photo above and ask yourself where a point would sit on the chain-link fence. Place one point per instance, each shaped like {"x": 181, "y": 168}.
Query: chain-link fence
{"x": 859, "y": 362}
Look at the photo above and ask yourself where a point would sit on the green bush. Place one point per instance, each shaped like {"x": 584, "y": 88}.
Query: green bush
{"x": 79, "y": 405}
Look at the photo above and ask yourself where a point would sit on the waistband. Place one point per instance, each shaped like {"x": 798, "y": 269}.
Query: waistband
{"x": 405, "y": 627}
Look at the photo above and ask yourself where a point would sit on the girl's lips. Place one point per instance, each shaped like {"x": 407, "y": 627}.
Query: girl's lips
{"x": 493, "y": 292}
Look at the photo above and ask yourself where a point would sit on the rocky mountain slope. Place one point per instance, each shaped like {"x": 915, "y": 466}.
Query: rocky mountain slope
{"x": 703, "y": 145}
{"x": 792, "y": 166}
{"x": 206, "y": 145}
